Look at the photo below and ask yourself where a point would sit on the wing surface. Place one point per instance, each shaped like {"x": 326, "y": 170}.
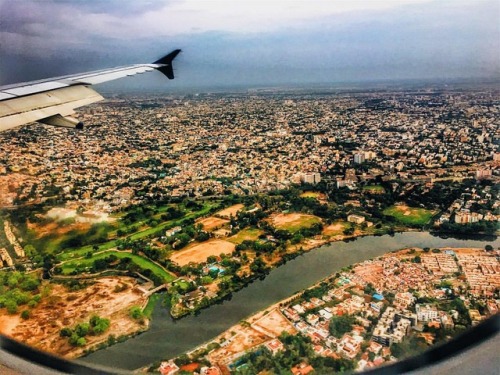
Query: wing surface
{"x": 52, "y": 101}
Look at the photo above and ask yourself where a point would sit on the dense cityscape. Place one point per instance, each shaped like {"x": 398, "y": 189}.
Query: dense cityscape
{"x": 182, "y": 201}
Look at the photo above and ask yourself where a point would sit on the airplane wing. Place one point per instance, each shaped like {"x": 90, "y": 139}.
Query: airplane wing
{"x": 52, "y": 101}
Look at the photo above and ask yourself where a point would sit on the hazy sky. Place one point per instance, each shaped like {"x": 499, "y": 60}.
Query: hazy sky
{"x": 269, "y": 42}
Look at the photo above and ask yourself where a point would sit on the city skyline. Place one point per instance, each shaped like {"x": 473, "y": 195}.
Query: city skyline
{"x": 271, "y": 43}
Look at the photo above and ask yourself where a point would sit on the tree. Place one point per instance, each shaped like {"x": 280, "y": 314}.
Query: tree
{"x": 98, "y": 325}
{"x": 82, "y": 329}
{"x": 25, "y": 314}
{"x": 488, "y": 248}
{"x": 339, "y": 325}
{"x": 65, "y": 332}
{"x": 135, "y": 313}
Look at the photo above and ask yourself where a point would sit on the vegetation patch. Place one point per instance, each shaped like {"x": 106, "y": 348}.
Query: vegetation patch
{"x": 142, "y": 263}
{"x": 375, "y": 189}
{"x": 248, "y": 234}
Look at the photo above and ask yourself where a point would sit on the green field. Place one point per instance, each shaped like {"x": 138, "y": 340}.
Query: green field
{"x": 310, "y": 194}
{"x": 82, "y": 251}
{"x": 377, "y": 189}
{"x": 409, "y": 215}
{"x": 141, "y": 262}
{"x": 250, "y": 234}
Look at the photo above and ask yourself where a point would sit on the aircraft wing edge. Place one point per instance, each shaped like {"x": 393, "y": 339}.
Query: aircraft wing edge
{"x": 51, "y": 101}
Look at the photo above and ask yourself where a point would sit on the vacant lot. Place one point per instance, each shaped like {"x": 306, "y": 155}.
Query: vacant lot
{"x": 200, "y": 252}
{"x": 249, "y": 234}
{"x": 294, "y": 222}
{"x": 335, "y": 228}
{"x": 64, "y": 308}
{"x": 409, "y": 215}
{"x": 230, "y": 211}
{"x": 274, "y": 323}
{"x": 211, "y": 223}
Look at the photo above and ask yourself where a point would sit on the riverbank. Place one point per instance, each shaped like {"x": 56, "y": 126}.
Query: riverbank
{"x": 265, "y": 326}
{"x": 108, "y": 297}
{"x": 277, "y": 259}
{"x": 168, "y": 338}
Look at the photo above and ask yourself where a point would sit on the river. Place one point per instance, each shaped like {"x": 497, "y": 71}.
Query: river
{"x": 168, "y": 338}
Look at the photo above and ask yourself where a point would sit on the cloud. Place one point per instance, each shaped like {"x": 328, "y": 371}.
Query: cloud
{"x": 239, "y": 41}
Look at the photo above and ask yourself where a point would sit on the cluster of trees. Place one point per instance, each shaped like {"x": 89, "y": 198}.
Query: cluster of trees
{"x": 340, "y": 325}
{"x": 76, "y": 336}
{"x": 19, "y": 289}
{"x": 98, "y": 233}
{"x": 257, "y": 246}
{"x": 298, "y": 349}
{"x": 488, "y": 227}
{"x": 188, "y": 233}
{"x": 246, "y": 219}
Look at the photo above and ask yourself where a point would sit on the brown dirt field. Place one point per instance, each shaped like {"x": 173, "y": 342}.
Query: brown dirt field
{"x": 245, "y": 339}
{"x": 404, "y": 209}
{"x": 63, "y": 308}
{"x": 55, "y": 229}
{"x": 281, "y": 219}
{"x": 200, "y": 252}
{"x": 275, "y": 323}
{"x": 233, "y": 210}
{"x": 211, "y": 222}
{"x": 336, "y": 228}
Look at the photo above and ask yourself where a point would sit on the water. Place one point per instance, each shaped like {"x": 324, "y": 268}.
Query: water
{"x": 168, "y": 338}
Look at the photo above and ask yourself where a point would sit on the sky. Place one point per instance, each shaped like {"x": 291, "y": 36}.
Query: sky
{"x": 241, "y": 42}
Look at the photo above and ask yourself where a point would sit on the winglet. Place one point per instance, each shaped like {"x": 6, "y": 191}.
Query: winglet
{"x": 166, "y": 60}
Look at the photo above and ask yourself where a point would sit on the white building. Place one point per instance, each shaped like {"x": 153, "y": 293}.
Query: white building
{"x": 426, "y": 313}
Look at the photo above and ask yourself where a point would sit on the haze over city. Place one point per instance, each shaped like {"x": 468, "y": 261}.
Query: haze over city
{"x": 228, "y": 43}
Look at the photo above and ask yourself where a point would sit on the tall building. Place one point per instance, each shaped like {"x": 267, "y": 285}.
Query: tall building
{"x": 311, "y": 178}
{"x": 359, "y": 158}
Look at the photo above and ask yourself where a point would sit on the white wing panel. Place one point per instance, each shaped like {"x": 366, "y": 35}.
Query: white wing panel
{"x": 33, "y": 89}
{"x": 4, "y": 95}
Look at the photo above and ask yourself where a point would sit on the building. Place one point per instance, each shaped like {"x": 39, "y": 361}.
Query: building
{"x": 274, "y": 346}
{"x": 426, "y": 313}
{"x": 357, "y": 219}
{"x": 482, "y": 174}
{"x": 404, "y": 299}
{"x": 172, "y": 231}
{"x": 168, "y": 368}
{"x": 359, "y": 158}
{"x": 311, "y": 178}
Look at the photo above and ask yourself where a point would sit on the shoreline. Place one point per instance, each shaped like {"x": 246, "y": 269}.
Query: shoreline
{"x": 248, "y": 321}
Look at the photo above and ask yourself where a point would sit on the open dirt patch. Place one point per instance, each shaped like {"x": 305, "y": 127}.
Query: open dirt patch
{"x": 57, "y": 230}
{"x": 211, "y": 223}
{"x": 64, "y": 308}
{"x": 200, "y": 252}
{"x": 293, "y": 221}
{"x": 335, "y": 228}
{"x": 275, "y": 323}
{"x": 230, "y": 211}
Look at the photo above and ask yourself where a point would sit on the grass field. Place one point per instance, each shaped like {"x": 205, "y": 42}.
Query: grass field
{"x": 409, "y": 215}
{"x": 250, "y": 234}
{"x": 143, "y": 263}
{"x": 310, "y": 194}
{"x": 294, "y": 222}
{"x": 377, "y": 189}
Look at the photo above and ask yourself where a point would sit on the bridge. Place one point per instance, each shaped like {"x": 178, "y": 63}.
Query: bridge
{"x": 148, "y": 293}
